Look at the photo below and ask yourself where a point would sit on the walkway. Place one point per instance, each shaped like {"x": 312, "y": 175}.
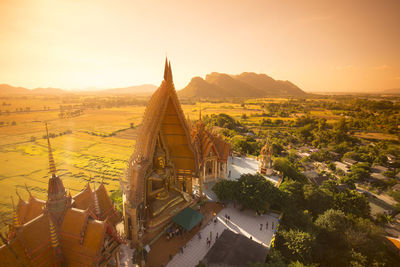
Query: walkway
{"x": 242, "y": 222}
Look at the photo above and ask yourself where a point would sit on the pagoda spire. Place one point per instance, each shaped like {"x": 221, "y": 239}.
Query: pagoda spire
{"x": 51, "y": 159}
{"x": 57, "y": 200}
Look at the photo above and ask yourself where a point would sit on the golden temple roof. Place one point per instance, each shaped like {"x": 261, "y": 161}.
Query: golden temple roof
{"x": 205, "y": 140}
{"x": 163, "y": 113}
{"x": 61, "y": 230}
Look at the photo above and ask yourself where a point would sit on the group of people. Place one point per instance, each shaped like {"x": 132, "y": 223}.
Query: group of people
{"x": 209, "y": 240}
{"x": 266, "y": 226}
{"x": 173, "y": 231}
{"x": 227, "y": 218}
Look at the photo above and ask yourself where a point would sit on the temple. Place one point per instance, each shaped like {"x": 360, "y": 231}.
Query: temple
{"x": 213, "y": 152}
{"x": 170, "y": 162}
{"x": 265, "y": 160}
{"x": 64, "y": 230}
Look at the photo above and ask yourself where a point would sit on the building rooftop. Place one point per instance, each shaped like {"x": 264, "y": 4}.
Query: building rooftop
{"x": 229, "y": 250}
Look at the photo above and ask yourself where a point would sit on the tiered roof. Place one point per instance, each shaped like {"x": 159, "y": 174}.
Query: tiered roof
{"x": 27, "y": 211}
{"x": 205, "y": 140}
{"x": 63, "y": 230}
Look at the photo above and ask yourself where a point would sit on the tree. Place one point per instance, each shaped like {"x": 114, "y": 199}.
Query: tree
{"x": 256, "y": 193}
{"x": 299, "y": 244}
{"x": 245, "y": 145}
{"x": 293, "y": 193}
{"x": 315, "y": 199}
{"x": 287, "y": 169}
{"x": 225, "y": 190}
{"x": 349, "y": 201}
{"x": 332, "y": 221}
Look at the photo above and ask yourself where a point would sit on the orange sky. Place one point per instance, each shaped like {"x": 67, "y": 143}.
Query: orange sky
{"x": 319, "y": 45}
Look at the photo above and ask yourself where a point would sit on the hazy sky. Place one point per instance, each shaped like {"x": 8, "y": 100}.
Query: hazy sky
{"x": 318, "y": 45}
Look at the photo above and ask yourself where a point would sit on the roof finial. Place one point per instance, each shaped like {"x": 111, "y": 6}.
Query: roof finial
{"x": 166, "y": 69}
{"x": 16, "y": 191}
{"x": 29, "y": 191}
{"x": 51, "y": 159}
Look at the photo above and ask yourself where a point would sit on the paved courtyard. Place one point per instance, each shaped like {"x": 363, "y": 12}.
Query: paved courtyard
{"x": 243, "y": 165}
{"x": 241, "y": 222}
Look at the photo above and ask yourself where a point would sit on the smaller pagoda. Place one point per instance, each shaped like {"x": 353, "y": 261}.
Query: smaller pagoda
{"x": 265, "y": 160}
{"x": 63, "y": 230}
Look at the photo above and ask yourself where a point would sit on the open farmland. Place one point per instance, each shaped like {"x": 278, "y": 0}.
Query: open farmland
{"x": 96, "y": 143}
{"x": 95, "y": 136}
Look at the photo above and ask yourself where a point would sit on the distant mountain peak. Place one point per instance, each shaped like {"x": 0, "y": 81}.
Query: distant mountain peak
{"x": 246, "y": 84}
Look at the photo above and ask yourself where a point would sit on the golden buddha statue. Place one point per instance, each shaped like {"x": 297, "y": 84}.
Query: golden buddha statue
{"x": 161, "y": 190}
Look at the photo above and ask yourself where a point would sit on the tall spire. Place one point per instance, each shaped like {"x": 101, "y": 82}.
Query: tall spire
{"x": 51, "y": 159}
{"x": 166, "y": 69}
{"x": 57, "y": 200}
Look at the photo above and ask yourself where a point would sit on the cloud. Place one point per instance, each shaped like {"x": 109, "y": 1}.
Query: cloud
{"x": 382, "y": 67}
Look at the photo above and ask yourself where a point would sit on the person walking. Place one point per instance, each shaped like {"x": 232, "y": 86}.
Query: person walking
{"x": 266, "y": 226}
{"x": 261, "y": 225}
{"x": 216, "y": 237}
{"x": 181, "y": 249}
{"x": 199, "y": 235}
{"x": 207, "y": 241}
{"x": 210, "y": 235}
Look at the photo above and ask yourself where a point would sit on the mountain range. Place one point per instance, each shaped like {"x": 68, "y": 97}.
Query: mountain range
{"x": 393, "y": 91}
{"x": 247, "y": 84}
{"x": 6, "y": 89}
{"x": 215, "y": 85}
